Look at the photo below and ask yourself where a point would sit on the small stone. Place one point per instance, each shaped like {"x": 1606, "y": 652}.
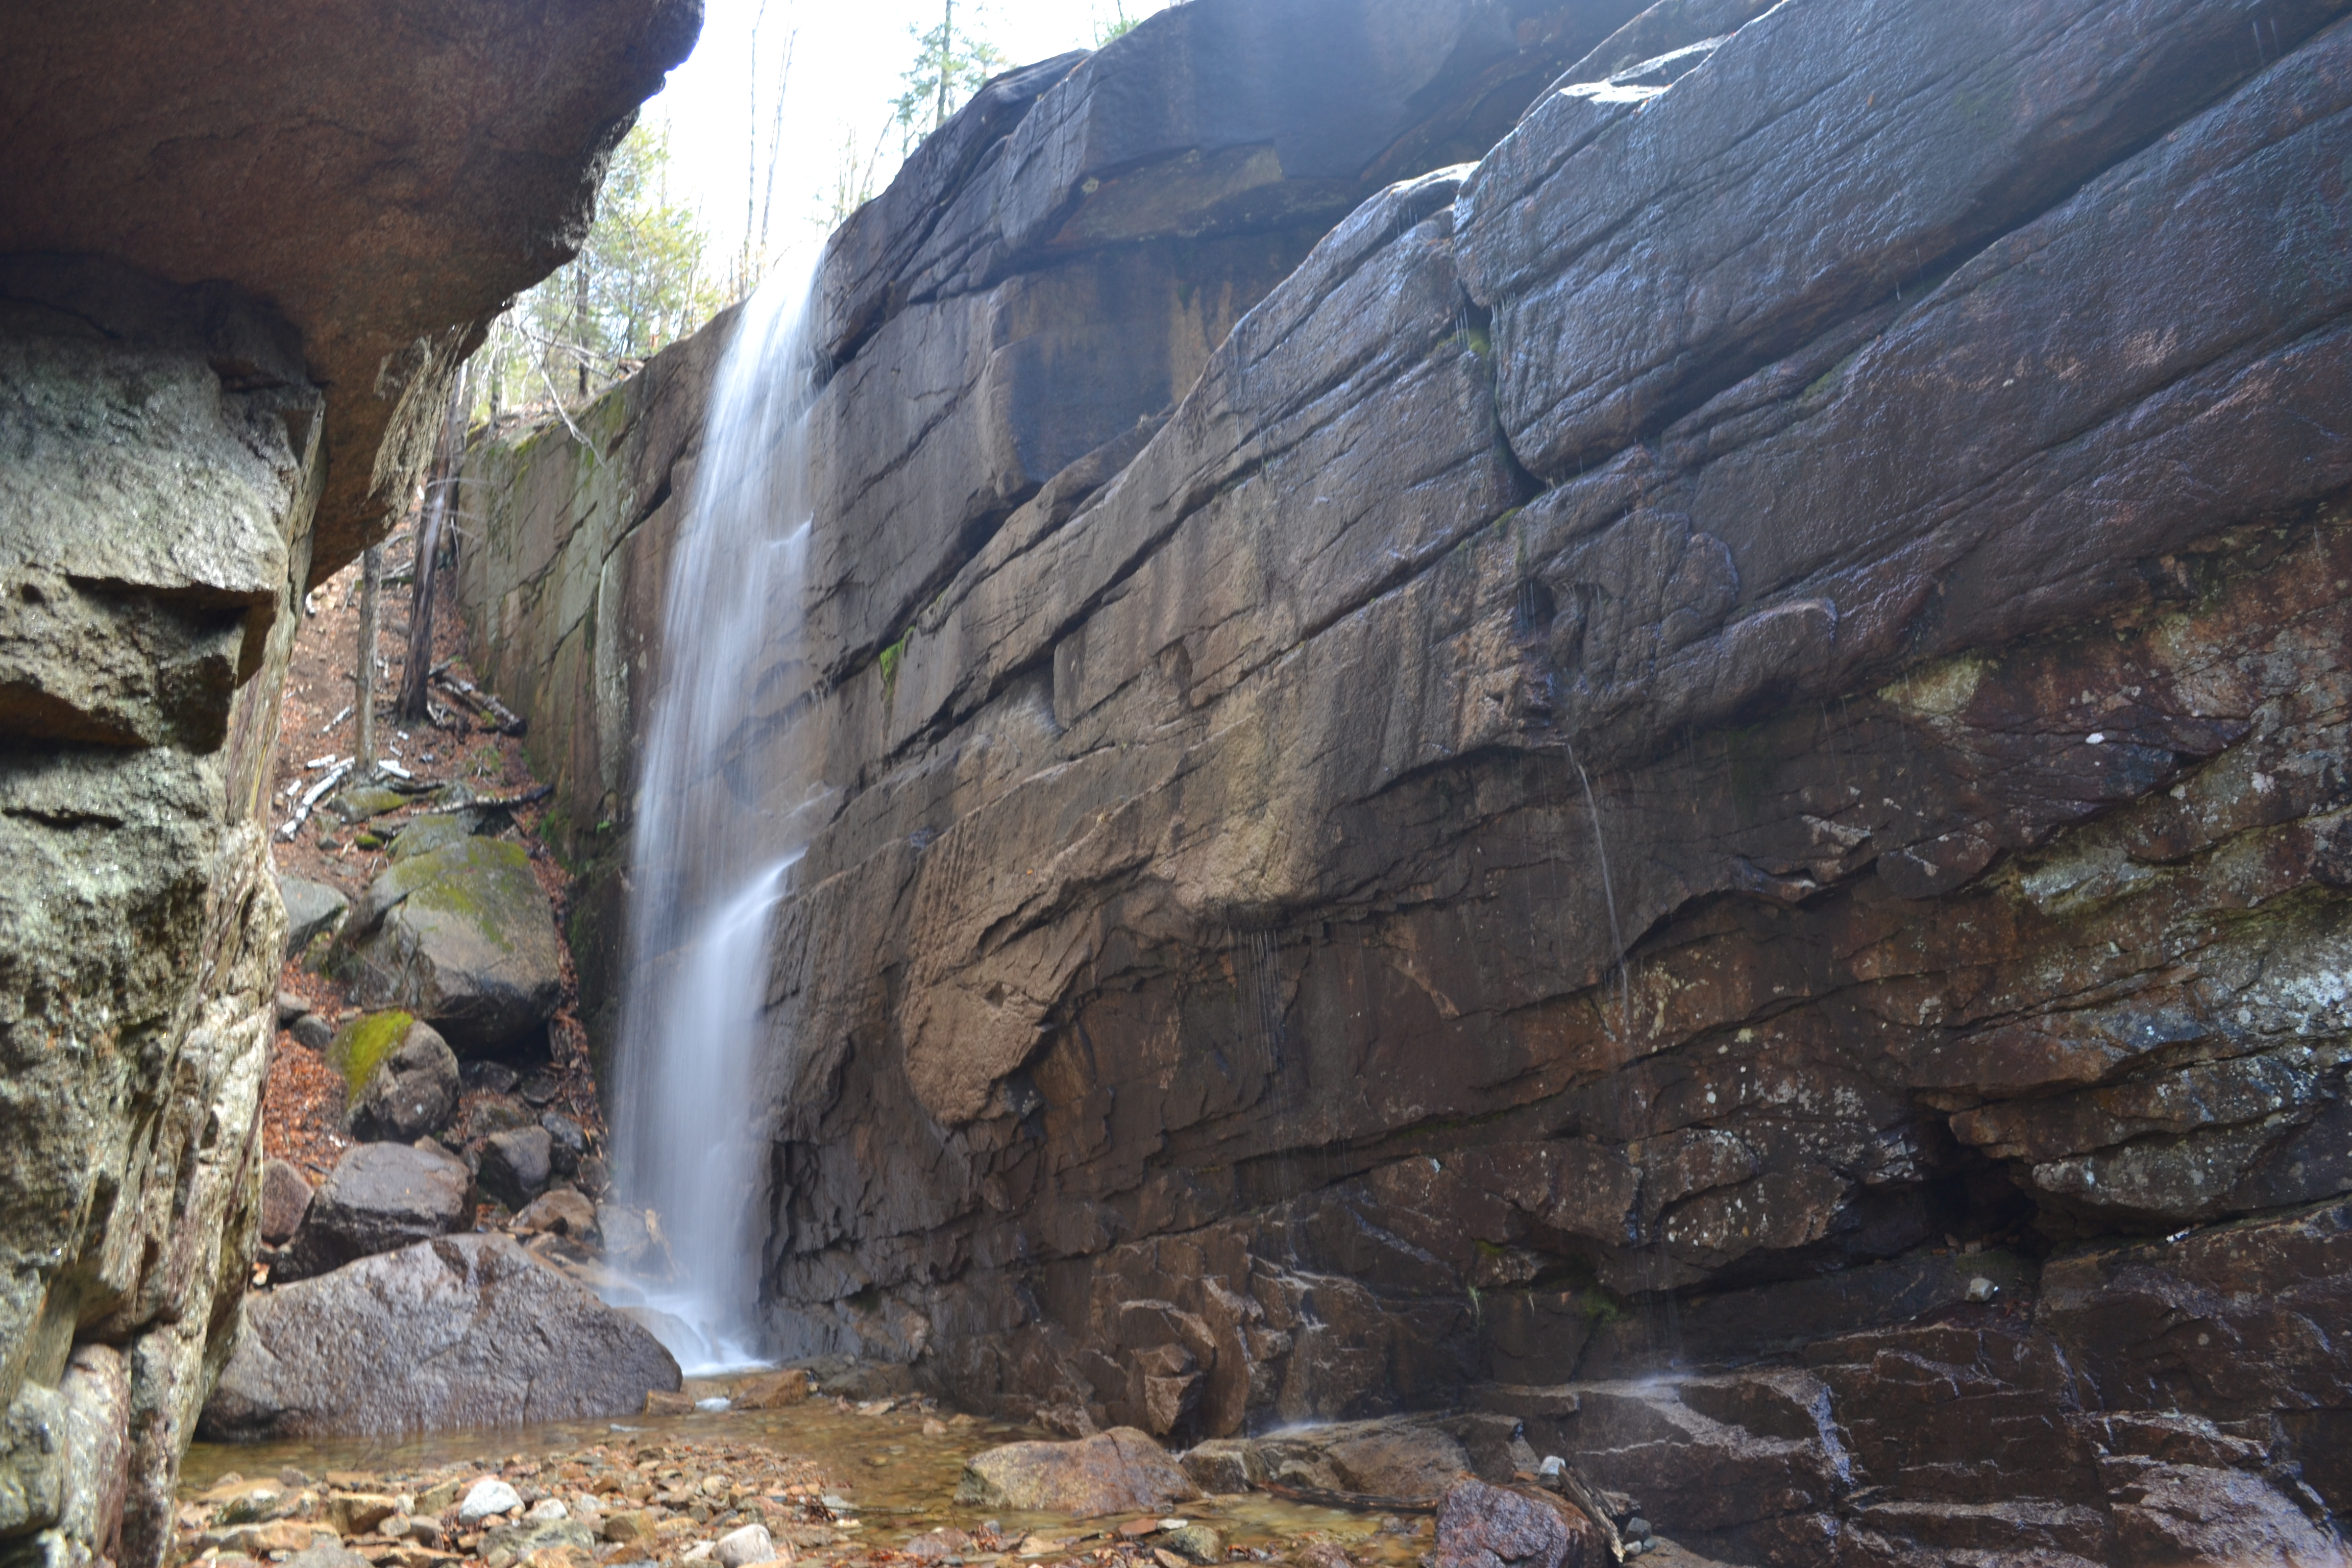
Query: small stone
{"x": 744, "y": 1547}
{"x": 1323, "y": 1555}
{"x": 766, "y": 1391}
{"x": 324, "y": 1552}
{"x": 594, "y": 1176}
{"x": 629, "y": 1528}
{"x": 286, "y": 1535}
{"x": 1223, "y": 1467}
{"x": 357, "y": 1513}
{"x": 559, "y": 1211}
{"x": 567, "y": 1141}
{"x": 1195, "y": 1543}
{"x": 515, "y": 1165}
{"x": 658, "y": 1402}
{"x": 290, "y": 1007}
{"x": 495, "y": 1077}
{"x": 547, "y": 1509}
{"x": 489, "y": 1497}
{"x": 313, "y": 1032}
{"x": 1981, "y": 1289}
{"x": 440, "y": 1499}
{"x": 1637, "y": 1529}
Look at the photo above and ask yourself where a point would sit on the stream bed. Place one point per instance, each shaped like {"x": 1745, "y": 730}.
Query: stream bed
{"x": 837, "y": 1481}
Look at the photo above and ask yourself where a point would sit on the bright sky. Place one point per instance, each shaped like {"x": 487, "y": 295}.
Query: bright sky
{"x": 847, "y": 58}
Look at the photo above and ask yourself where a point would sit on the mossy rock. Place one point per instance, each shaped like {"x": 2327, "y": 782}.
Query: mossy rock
{"x": 437, "y": 831}
{"x": 360, "y": 1046}
{"x": 462, "y": 937}
{"x": 359, "y": 805}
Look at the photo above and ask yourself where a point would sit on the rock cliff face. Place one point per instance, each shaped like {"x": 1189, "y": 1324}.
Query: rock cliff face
{"x": 223, "y": 317}
{"x": 1710, "y": 745}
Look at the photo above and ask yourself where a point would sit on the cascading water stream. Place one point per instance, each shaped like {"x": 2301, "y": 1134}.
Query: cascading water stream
{"x": 718, "y": 827}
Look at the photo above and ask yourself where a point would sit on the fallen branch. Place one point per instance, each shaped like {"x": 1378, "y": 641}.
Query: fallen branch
{"x": 505, "y": 720}
{"x": 531, "y": 796}
{"x": 311, "y": 797}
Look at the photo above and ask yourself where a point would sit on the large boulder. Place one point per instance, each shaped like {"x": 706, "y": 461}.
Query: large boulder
{"x": 1118, "y": 1471}
{"x": 286, "y": 1196}
{"x": 313, "y": 909}
{"x": 462, "y": 937}
{"x": 516, "y": 1164}
{"x": 411, "y": 1092}
{"x": 1483, "y": 1526}
{"x": 378, "y": 1197}
{"x": 462, "y": 1332}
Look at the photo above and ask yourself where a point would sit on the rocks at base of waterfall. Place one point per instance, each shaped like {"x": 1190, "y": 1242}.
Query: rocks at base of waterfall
{"x": 1483, "y": 1526}
{"x": 567, "y": 1143}
{"x": 464, "y": 1331}
{"x": 632, "y": 1240}
{"x": 1118, "y": 1471}
{"x": 1224, "y": 1467}
{"x": 559, "y": 1211}
{"x": 413, "y": 1092}
{"x": 285, "y": 1195}
{"x": 1410, "y": 1462}
{"x": 518, "y": 1541}
{"x": 515, "y": 1165}
{"x": 380, "y": 1198}
{"x": 744, "y": 1547}
{"x": 325, "y": 1552}
{"x": 1409, "y": 1457}
{"x": 1195, "y": 1543}
{"x": 313, "y": 909}
{"x": 772, "y": 1390}
{"x": 489, "y": 1497}
{"x": 462, "y": 937}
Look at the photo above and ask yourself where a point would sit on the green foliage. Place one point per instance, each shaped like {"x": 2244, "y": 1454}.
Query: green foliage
{"x": 889, "y": 663}
{"x": 1121, "y": 21}
{"x": 361, "y": 1048}
{"x": 641, "y": 281}
{"x": 952, "y": 61}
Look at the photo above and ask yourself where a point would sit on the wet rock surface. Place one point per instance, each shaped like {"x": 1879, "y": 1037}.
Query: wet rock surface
{"x": 464, "y": 1331}
{"x": 1713, "y": 903}
{"x": 1118, "y": 1471}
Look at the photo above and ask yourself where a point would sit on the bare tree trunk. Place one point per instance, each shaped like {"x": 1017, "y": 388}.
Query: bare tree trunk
{"x": 371, "y": 597}
{"x": 579, "y": 320}
{"x": 417, "y": 665}
{"x": 946, "y": 53}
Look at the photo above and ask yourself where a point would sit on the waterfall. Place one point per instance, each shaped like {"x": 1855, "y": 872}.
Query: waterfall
{"x": 718, "y": 830}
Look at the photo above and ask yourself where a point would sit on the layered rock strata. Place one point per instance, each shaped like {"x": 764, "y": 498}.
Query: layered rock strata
{"x": 234, "y": 279}
{"x": 1715, "y": 743}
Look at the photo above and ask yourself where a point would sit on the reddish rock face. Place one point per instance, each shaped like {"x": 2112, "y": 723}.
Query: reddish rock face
{"x": 1694, "y": 794}
{"x": 385, "y": 178}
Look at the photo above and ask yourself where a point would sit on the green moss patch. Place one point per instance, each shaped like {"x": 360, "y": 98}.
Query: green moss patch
{"x": 361, "y": 1045}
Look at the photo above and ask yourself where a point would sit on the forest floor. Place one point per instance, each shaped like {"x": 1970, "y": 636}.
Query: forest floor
{"x": 303, "y": 1105}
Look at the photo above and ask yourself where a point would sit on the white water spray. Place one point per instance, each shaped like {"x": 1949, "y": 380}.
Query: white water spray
{"x": 718, "y": 827}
